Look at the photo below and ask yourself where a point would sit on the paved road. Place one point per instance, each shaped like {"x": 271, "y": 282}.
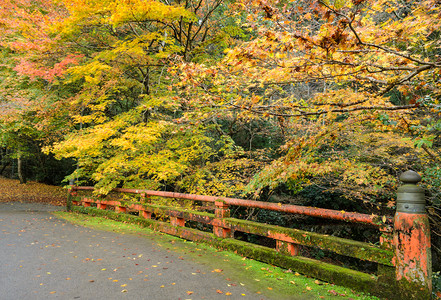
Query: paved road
{"x": 42, "y": 257}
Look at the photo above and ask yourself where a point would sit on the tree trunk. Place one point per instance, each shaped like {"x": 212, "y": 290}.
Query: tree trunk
{"x": 3, "y": 167}
{"x": 20, "y": 171}
{"x": 5, "y": 160}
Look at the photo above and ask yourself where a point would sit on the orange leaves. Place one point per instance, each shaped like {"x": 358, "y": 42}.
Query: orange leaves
{"x": 33, "y": 70}
{"x": 12, "y": 190}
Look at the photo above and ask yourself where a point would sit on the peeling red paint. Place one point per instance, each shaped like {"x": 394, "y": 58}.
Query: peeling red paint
{"x": 287, "y": 248}
{"x": 120, "y": 209}
{"x": 386, "y": 237}
{"x": 101, "y": 205}
{"x": 281, "y": 237}
{"x": 222, "y": 210}
{"x": 413, "y": 248}
{"x": 177, "y": 221}
{"x": 137, "y": 207}
{"x": 146, "y": 214}
{"x": 86, "y": 202}
{"x": 295, "y": 209}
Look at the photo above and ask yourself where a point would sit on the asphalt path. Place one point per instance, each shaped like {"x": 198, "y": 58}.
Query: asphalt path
{"x": 43, "y": 257}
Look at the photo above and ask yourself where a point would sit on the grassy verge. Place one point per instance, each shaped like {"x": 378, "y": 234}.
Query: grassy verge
{"x": 268, "y": 280}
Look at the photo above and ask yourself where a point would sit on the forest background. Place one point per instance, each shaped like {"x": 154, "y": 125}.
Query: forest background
{"x": 318, "y": 103}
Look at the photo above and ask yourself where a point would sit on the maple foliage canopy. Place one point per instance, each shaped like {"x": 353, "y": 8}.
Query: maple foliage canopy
{"x": 227, "y": 97}
{"x": 346, "y": 82}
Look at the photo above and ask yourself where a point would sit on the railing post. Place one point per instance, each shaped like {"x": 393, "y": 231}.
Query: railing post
{"x": 221, "y": 211}
{"x": 413, "y": 259}
{"x": 70, "y": 196}
{"x": 287, "y": 248}
{"x": 146, "y": 214}
{"x": 386, "y": 237}
{"x": 177, "y": 221}
{"x": 100, "y": 205}
{"x": 120, "y": 209}
{"x": 86, "y": 202}
{"x": 386, "y": 274}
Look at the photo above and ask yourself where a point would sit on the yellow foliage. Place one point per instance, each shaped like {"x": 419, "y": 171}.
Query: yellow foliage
{"x": 116, "y": 13}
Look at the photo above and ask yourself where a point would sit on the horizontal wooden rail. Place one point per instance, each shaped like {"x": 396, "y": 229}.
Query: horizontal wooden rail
{"x": 346, "y": 247}
{"x": 373, "y": 220}
{"x": 360, "y": 250}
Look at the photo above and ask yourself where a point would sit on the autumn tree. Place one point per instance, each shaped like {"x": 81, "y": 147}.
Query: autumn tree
{"x": 31, "y": 117}
{"x": 112, "y": 65}
{"x": 311, "y": 86}
{"x": 337, "y": 79}
{"x": 352, "y": 88}
{"x": 308, "y": 98}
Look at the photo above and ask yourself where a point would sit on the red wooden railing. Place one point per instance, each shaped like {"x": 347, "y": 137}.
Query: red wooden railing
{"x": 372, "y": 219}
{"x": 287, "y": 240}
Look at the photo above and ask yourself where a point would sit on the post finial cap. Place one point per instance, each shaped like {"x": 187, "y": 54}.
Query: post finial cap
{"x": 410, "y": 177}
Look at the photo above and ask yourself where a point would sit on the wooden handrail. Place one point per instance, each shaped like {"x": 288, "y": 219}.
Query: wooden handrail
{"x": 373, "y": 220}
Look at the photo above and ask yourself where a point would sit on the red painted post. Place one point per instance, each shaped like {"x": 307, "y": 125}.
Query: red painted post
{"x": 101, "y": 205}
{"x": 120, "y": 209}
{"x": 221, "y": 211}
{"x": 287, "y": 248}
{"x": 146, "y": 214}
{"x": 413, "y": 259}
{"x": 175, "y": 221}
{"x": 86, "y": 202}
{"x": 386, "y": 238}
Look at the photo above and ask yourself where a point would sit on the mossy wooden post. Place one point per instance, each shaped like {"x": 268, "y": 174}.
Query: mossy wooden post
{"x": 70, "y": 196}
{"x": 100, "y": 205}
{"x": 145, "y": 214}
{"x": 142, "y": 198}
{"x": 86, "y": 202}
{"x": 120, "y": 209}
{"x": 413, "y": 260}
{"x": 177, "y": 221}
{"x": 222, "y": 211}
{"x": 287, "y": 248}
